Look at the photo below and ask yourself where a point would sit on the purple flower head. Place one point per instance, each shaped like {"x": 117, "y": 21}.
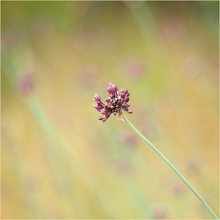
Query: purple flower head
{"x": 97, "y": 97}
{"x": 114, "y": 104}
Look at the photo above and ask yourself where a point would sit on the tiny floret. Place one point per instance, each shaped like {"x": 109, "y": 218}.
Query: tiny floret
{"x": 116, "y": 102}
{"x": 112, "y": 89}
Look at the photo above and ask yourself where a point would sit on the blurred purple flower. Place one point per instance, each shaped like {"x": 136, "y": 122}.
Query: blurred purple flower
{"x": 172, "y": 29}
{"x": 192, "y": 167}
{"x": 114, "y": 104}
{"x": 127, "y": 138}
{"x": 25, "y": 83}
{"x": 158, "y": 211}
{"x": 177, "y": 187}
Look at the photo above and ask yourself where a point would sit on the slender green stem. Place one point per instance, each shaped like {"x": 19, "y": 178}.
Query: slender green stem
{"x": 164, "y": 158}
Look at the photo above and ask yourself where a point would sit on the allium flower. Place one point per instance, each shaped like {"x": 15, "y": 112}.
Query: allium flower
{"x": 114, "y": 104}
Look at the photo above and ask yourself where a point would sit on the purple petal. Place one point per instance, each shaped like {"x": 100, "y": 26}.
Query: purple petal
{"x": 97, "y": 97}
{"x": 112, "y": 89}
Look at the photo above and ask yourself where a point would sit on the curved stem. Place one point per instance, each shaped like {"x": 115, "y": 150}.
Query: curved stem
{"x": 164, "y": 158}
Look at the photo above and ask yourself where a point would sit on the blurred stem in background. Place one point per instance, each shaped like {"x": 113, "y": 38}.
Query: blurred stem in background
{"x": 57, "y": 144}
{"x": 164, "y": 158}
{"x": 12, "y": 72}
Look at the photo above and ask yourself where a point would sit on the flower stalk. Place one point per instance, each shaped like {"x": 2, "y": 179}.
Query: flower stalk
{"x": 164, "y": 158}
{"x": 116, "y": 103}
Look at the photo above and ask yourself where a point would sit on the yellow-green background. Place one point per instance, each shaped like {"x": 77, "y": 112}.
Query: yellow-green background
{"x": 58, "y": 160}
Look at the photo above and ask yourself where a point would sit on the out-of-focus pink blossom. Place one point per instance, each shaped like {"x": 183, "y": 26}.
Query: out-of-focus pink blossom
{"x": 192, "y": 167}
{"x": 177, "y": 187}
{"x": 127, "y": 138}
{"x": 172, "y": 28}
{"x": 25, "y": 84}
{"x": 158, "y": 211}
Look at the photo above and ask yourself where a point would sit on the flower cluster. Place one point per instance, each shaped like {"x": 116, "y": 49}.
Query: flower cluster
{"x": 114, "y": 104}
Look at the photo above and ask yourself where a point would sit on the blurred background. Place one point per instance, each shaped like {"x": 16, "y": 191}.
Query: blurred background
{"x": 58, "y": 160}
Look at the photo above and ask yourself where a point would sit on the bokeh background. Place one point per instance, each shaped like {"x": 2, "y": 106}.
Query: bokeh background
{"x": 58, "y": 160}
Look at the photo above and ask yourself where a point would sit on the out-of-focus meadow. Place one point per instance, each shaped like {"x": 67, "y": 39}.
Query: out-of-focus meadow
{"x": 58, "y": 160}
